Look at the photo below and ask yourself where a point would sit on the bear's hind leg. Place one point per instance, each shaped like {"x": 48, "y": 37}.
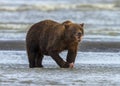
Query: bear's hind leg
{"x": 31, "y": 58}
{"x": 32, "y": 54}
{"x": 39, "y": 59}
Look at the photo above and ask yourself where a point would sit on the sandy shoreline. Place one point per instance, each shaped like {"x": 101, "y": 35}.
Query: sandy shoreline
{"x": 93, "y": 46}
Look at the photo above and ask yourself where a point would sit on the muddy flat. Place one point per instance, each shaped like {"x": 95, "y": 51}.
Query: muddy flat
{"x": 91, "y": 69}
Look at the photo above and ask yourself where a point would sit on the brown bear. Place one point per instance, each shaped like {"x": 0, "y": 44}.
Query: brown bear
{"x": 50, "y": 38}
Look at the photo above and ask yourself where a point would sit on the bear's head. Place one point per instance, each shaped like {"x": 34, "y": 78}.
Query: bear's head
{"x": 73, "y": 32}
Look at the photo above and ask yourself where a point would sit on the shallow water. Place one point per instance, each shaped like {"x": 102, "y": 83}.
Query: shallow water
{"x": 101, "y": 17}
{"x": 90, "y": 69}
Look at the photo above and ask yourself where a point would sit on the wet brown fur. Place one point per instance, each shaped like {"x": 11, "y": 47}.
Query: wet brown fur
{"x": 50, "y": 38}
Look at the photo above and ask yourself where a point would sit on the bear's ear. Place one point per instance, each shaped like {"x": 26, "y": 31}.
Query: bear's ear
{"x": 82, "y": 25}
{"x": 67, "y": 24}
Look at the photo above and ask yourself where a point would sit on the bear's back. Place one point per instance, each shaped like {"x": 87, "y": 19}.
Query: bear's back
{"x": 40, "y": 28}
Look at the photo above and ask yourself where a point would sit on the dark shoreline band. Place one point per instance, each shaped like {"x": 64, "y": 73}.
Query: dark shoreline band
{"x": 85, "y": 46}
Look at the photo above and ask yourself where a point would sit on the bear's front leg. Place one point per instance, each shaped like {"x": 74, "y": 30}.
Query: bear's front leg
{"x": 71, "y": 56}
{"x": 59, "y": 60}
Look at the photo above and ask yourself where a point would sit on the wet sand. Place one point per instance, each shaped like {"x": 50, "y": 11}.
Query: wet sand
{"x": 91, "y": 69}
{"x": 85, "y": 46}
{"x": 84, "y": 76}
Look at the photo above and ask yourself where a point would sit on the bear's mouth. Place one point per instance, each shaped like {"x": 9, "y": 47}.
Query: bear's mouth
{"x": 79, "y": 40}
